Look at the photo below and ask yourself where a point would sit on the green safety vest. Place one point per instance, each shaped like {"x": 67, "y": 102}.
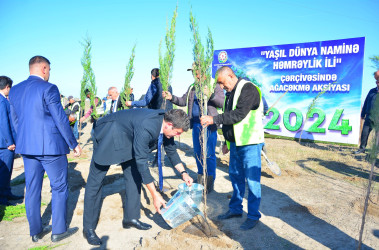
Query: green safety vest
{"x": 250, "y": 129}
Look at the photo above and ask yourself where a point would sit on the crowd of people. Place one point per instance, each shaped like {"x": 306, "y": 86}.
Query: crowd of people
{"x": 36, "y": 124}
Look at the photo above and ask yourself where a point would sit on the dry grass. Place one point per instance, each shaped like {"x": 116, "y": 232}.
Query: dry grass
{"x": 327, "y": 160}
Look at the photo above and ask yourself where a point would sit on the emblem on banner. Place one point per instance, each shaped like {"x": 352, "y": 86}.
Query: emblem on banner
{"x": 222, "y": 57}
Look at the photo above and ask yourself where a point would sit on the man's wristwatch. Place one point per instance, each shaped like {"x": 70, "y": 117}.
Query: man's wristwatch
{"x": 181, "y": 173}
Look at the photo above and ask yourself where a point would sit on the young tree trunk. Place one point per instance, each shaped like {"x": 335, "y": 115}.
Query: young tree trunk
{"x": 204, "y": 150}
{"x": 368, "y": 193}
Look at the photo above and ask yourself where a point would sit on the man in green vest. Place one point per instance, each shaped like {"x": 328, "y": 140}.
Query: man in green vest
{"x": 243, "y": 130}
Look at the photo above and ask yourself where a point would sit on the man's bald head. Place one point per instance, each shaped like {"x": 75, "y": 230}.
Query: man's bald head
{"x": 226, "y": 78}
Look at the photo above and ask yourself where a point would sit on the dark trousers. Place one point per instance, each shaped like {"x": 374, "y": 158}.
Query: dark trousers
{"x": 6, "y": 167}
{"x": 93, "y": 193}
{"x": 367, "y": 127}
{"x": 56, "y": 169}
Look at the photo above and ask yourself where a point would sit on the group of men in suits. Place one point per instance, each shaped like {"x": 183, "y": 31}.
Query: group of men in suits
{"x": 39, "y": 130}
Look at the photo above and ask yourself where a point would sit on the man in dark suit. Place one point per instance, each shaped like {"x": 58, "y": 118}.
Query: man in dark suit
{"x": 7, "y": 144}
{"x": 116, "y": 99}
{"x": 43, "y": 139}
{"x": 127, "y": 137}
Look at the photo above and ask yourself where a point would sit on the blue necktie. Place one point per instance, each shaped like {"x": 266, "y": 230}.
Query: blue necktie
{"x": 160, "y": 140}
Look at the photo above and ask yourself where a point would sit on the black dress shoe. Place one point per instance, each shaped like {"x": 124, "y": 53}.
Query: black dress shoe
{"x": 91, "y": 237}
{"x": 68, "y": 233}
{"x": 39, "y": 236}
{"x": 15, "y": 197}
{"x": 228, "y": 215}
{"x": 137, "y": 224}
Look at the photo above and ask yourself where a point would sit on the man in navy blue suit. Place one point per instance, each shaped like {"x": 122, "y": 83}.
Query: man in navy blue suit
{"x": 43, "y": 139}
{"x": 7, "y": 144}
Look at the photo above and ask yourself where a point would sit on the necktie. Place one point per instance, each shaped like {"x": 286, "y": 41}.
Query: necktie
{"x": 160, "y": 140}
{"x": 112, "y": 106}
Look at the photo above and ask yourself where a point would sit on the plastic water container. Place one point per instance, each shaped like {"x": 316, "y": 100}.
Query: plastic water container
{"x": 184, "y": 205}
{"x": 195, "y": 191}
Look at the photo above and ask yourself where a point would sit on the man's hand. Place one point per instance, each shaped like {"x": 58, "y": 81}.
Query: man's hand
{"x": 158, "y": 201}
{"x": 206, "y": 120}
{"x": 128, "y": 103}
{"x": 187, "y": 179}
{"x": 82, "y": 119}
{"x": 225, "y": 149}
{"x": 12, "y": 147}
{"x": 77, "y": 151}
{"x": 167, "y": 95}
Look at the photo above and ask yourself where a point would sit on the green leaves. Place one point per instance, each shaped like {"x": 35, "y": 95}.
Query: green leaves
{"x": 375, "y": 61}
{"x": 88, "y": 80}
{"x": 202, "y": 61}
{"x": 126, "y": 91}
{"x": 166, "y": 61}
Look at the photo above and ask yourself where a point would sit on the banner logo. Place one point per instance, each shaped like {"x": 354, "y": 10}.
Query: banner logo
{"x": 222, "y": 57}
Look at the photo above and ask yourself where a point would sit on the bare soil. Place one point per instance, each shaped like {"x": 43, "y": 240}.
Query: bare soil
{"x": 315, "y": 204}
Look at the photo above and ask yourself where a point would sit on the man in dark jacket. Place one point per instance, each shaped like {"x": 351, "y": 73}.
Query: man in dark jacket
{"x": 190, "y": 100}
{"x": 127, "y": 137}
{"x": 365, "y": 114}
{"x": 153, "y": 98}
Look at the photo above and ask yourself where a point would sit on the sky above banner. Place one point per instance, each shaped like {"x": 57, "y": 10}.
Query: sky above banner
{"x": 55, "y": 28}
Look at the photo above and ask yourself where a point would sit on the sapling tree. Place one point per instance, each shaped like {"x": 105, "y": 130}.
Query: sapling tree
{"x": 202, "y": 57}
{"x": 125, "y": 92}
{"x": 166, "y": 60}
{"x": 88, "y": 79}
{"x": 88, "y": 75}
{"x": 372, "y": 157}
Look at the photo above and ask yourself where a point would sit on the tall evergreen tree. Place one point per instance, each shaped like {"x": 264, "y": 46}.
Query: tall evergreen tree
{"x": 166, "y": 61}
{"x": 126, "y": 91}
{"x": 203, "y": 86}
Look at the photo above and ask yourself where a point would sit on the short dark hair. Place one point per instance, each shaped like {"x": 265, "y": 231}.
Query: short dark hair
{"x": 155, "y": 72}
{"x": 5, "y": 81}
{"x": 38, "y": 59}
{"x": 178, "y": 118}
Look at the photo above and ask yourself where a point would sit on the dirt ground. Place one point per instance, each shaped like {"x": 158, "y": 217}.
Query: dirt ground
{"x": 315, "y": 204}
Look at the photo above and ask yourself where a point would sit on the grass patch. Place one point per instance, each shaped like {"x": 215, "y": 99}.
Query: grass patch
{"x": 47, "y": 247}
{"x": 75, "y": 159}
{"x": 8, "y": 213}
